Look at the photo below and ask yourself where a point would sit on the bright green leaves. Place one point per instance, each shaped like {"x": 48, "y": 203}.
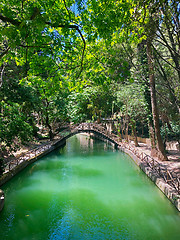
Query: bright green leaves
{"x": 42, "y": 26}
{"x": 92, "y": 103}
{"x": 105, "y": 18}
{"x": 131, "y": 101}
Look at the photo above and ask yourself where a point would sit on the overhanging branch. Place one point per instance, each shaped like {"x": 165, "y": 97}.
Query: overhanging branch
{"x": 4, "y": 53}
{"x": 1, "y": 81}
{"x": 10, "y": 20}
{"x": 35, "y": 46}
{"x": 73, "y": 26}
{"x": 80, "y": 33}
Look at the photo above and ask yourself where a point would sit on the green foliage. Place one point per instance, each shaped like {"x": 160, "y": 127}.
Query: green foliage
{"x": 14, "y": 127}
{"x": 33, "y": 28}
{"x": 131, "y": 101}
{"x": 132, "y": 107}
{"x": 171, "y": 134}
{"x": 91, "y": 103}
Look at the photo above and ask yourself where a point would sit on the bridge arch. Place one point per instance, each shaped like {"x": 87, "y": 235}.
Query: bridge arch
{"x": 95, "y": 130}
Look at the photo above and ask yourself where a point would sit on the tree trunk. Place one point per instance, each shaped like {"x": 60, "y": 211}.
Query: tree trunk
{"x": 51, "y": 135}
{"x": 144, "y": 61}
{"x": 127, "y": 128}
{"x": 152, "y": 139}
{"x": 126, "y": 133}
{"x": 152, "y": 135}
{"x": 133, "y": 127}
{"x": 160, "y": 147}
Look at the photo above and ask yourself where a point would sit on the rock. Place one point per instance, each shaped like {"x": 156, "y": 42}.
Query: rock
{"x": 1, "y": 199}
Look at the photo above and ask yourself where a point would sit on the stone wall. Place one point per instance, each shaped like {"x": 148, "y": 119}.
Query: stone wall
{"x": 141, "y": 140}
{"x": 173, "y": 145}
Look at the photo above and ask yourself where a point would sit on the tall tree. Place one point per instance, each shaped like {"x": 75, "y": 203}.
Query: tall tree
{"x": 134, "y": 25}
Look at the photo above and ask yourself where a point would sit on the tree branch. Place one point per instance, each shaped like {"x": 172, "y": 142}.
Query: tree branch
{"x": 1, "y": 81}
{"x": 7, "y": 19}
{"x": 166, "y": 45}
{"x": 67, "y": 9}
{"x": 36, "y": 12}
{"x": 84, "y": 47}
{"x": 177, "y": 69}
{"x": 31, "y": 46}
{"x": 80, "y": 33}
{"x": 4, "y": 53}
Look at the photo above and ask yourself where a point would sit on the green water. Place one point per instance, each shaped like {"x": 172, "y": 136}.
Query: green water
{"x": 89, "y": 191}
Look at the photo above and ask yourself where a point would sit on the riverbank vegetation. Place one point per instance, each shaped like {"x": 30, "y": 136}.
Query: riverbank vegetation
{"x": 74, "y": 61}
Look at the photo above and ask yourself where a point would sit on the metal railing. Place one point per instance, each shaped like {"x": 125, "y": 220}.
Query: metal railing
{"x": 170, "y": 178}
{"x": 27, "y": 156}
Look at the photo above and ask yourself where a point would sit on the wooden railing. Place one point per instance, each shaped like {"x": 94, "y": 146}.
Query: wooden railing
{"x": 154, "y": 165}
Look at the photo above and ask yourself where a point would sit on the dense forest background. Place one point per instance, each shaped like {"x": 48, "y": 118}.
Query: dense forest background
{"x": 75, "y": 61}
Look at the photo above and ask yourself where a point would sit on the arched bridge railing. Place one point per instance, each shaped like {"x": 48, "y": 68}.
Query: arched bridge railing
{"x": 90, "y": 128}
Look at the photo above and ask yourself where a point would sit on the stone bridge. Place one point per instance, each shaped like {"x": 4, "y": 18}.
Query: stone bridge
{"x": 97, "y": 130}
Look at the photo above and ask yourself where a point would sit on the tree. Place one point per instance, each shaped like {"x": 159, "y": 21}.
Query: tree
{"x": 134, "y": 26}
{"x": 40, "y": 26}
{"x": 50, "y": 90}
{"x": 152, "y": 25}
{"x": 16, "y": 108}
{"x": 92, "y": 103}
{"x": 14, "y": 127}
{"x": 161, "y": 152}
{"x": 133, "y": 110}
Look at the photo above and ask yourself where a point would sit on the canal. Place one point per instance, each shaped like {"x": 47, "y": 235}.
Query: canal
{"x": 86, "y": 191}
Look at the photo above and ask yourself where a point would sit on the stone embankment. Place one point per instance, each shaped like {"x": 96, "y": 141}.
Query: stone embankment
{"x": 17, "y": 165}
{"x": 165, "y": 175}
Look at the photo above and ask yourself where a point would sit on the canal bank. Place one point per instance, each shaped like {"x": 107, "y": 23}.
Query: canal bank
{"x": 29, "y": 158}
{"x": 168, "y": 190}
